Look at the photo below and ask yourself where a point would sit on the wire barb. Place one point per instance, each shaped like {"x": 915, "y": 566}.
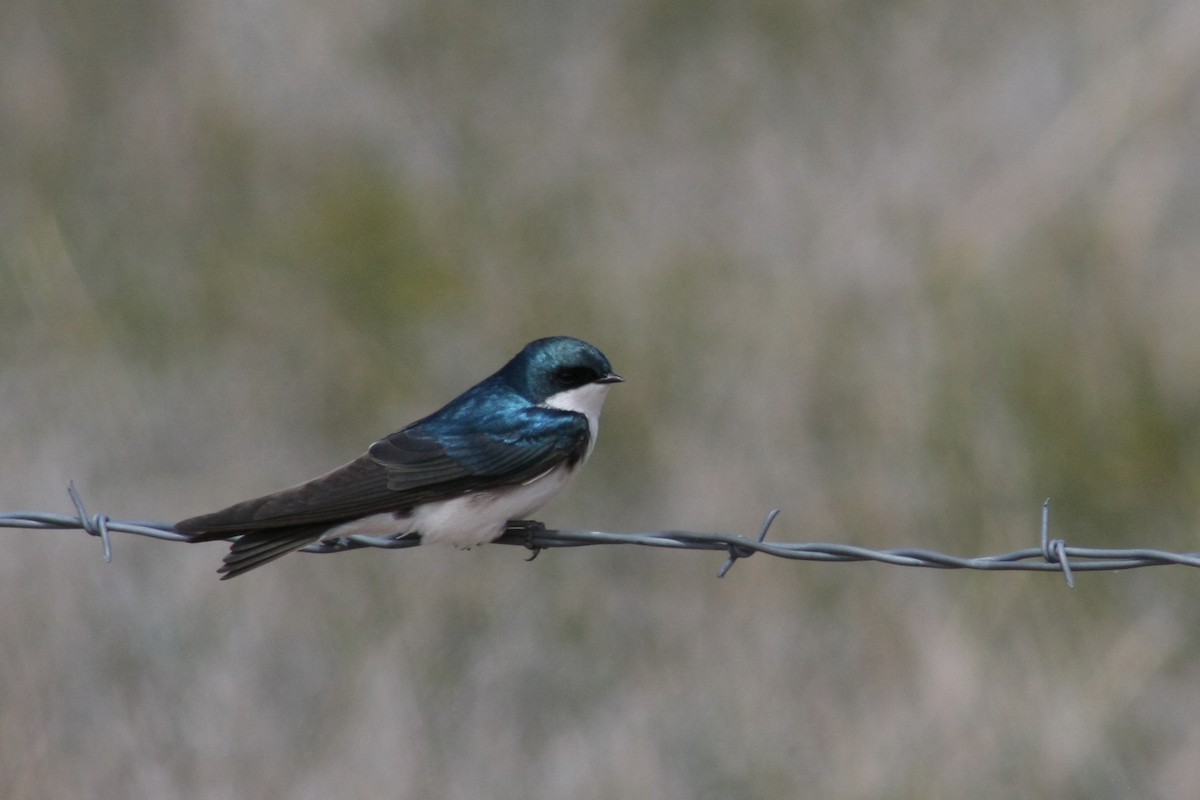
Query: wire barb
{"x": 738, "y": 551}
{"x": 95, "y": 526}
{"x": 1054, "y": 555}
{"x": 1055, "y": 550}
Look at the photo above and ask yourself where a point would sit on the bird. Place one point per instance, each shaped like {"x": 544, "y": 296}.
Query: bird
{"x": 497, "y": 452}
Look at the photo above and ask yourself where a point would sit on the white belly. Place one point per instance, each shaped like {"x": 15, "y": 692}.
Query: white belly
{"x": 463, "y": 521}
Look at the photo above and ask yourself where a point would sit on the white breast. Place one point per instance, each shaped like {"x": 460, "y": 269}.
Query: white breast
{"x": 587, "y": 400}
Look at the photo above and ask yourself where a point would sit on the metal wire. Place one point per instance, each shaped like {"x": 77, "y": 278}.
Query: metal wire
{"x": 1053, "y": 555}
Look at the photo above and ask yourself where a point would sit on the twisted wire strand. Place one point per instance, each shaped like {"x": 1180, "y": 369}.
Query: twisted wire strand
{"x": 1053, "y": 555}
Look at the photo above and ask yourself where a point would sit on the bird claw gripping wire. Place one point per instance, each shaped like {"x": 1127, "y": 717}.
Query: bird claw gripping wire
{"x": 95, "y": 526}
{"x": 531, "y": 528}
{"x": 1055, "y": 550}
{"x": 742, "y": 551}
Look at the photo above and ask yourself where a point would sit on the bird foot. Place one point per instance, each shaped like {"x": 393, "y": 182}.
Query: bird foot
{"x": 530, "y": 527}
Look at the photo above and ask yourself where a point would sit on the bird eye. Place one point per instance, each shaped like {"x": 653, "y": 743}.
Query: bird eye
{"x": 573, "y": 376}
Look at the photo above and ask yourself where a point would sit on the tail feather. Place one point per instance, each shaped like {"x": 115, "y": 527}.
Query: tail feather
{"x": 256, "y": 548}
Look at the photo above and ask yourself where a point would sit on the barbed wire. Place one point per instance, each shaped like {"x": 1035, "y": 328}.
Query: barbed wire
{"x": 1053, "y": 555}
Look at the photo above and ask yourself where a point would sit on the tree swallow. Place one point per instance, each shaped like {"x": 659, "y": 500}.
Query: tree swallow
{"x": 497, "y": 452}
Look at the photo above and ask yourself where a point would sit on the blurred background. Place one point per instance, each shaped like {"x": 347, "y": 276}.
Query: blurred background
{"x": 904, "y": 269}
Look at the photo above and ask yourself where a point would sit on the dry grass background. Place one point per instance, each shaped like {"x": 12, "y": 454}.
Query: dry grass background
{"x": 902, "y": 268}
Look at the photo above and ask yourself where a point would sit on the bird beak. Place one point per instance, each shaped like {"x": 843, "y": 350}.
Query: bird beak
{"x": 611, "y": 377}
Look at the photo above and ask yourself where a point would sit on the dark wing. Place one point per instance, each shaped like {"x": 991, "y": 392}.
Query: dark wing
{"x": 354, "y": 490}
{"x": 409, "y": 467}
{"x": 427, "y": 465}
